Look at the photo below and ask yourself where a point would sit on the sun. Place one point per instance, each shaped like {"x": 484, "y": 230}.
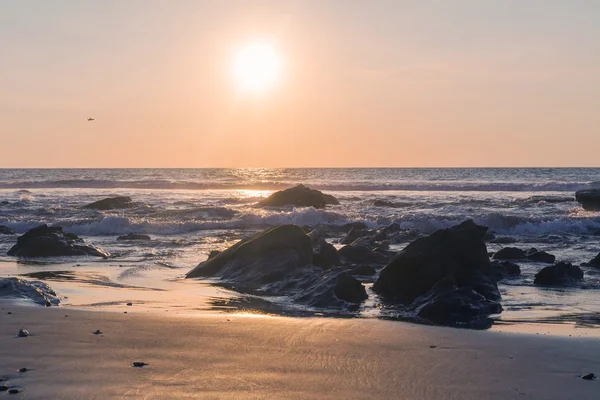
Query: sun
{"x": 256, "y": 67}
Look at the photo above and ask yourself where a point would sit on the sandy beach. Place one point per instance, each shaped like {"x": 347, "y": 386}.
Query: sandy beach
{"x": 255, "y": 357}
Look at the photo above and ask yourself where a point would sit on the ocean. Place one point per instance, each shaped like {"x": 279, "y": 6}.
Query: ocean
{"x": 189, "y": 212}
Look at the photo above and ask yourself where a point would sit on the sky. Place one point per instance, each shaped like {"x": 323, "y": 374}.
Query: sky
{"x": 380, "y": 83}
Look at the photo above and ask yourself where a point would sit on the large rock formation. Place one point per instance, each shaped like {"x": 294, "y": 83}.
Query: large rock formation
{"x": 36, "y": 291}
{"x": 49, "y": 241}
{"x": 299, "y": 196}
{"x": 458, "y": 256}
{"x": 560, "y": 274}
{"x": 279, "y": 262}
{"x": 589, "y": 199}
{"x": 112, "y": 203}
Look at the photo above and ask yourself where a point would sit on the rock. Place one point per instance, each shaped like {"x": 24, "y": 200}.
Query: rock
{"x": 505, "y": 269}
{"x": 457, "y": 254}
{"x": 129, "y": 304}
{"x": 138, "y": 364}
{"x": 14, "y": 391}
{"x": 23, "y": 370}
{"x": 540, "y": 256}
{"x": 354, "y": 234}
{"x": 509, "y": 253}
{"x": 589, "y": 377}
{"x": 278, "y": 262}
{"x": 36, "y": 291}
{"x": 594, "y": 262}
{"x": 503, "y": 240}
{"x": 299, "y": 196}
{"x": 112, "y": 203}
{"x": 589, "y": 199}
{"x": 4, "y": 230}
{"x": 134, "y": 236}
{"x": 327, "y": 256}
{"x": 560, "y": 274}
{"x": 349, "y": 289}
{"x": 50, "y": 241}
{"x": 97, "y": 332}
{"x": 447, "y": 304}
{"x": 363, "y": 270}
{"x": 23, "y": 333}
{"x": 360, "y": 255}
{"x": 3, "y": 388}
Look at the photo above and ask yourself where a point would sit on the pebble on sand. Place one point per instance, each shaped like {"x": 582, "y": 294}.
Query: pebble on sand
{"x": 23, "y": 370}
{"x": 139, "y": 364}
{"x": 97, "y": 332}
{"x": 23, "y": 333}
{"x": 14, "y": 391}
{"x": 589, "y": 377}
{"x": 3, "y": 388}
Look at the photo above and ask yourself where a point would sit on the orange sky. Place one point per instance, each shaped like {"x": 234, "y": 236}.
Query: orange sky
{"x": 384, "y": 83}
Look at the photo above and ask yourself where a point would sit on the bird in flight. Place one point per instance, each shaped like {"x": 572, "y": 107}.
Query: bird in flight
{"x": 91, "y": 119}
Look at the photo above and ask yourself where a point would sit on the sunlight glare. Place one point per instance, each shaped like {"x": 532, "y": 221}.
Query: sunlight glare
{"x": 256, "y": 67}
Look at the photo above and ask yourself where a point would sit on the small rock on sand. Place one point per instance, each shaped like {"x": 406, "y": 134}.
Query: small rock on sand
{"x": 23, "y": 370}
{"x": 3, "y": 388}
{"x": 23, "y": 333}
{"x": 139, "y": 364}
{"x": 589, "y": 377}
{"x": 14, "y": 391}
{"x": 97, "y": 332}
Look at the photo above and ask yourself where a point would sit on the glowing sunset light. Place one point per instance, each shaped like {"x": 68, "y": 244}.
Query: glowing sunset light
{"x": 256, "y": 67}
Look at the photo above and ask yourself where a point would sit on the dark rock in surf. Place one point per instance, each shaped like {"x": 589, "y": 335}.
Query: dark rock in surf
{"x": 355, "y": 233}
{"x": 5, "y": 230}
{"x": 363, "y": 270}
{"x": 560, "y": 274}
{"x": 444, "y": 277}
{"x": 279, "y": 262}
{"x": 23, "y": 333}
{"x": 134, "y": 237}
{"x": 505, "y": 269}
{"x": 299, "y": 196}
{"x": 36, "y": 291}
{"x": 509, "y": 253}
{"x": 447, "y": 304}
{"x": 327, "y": 256}
{"x": 540, "y": 256}
{"x": 349, "y": 289}
{"x": 594, "y": 262}
{"x": 589, "y": 199}
{"x": 112, "y": 203}
{"x": 458, "y": 253}
{"x": 361, "y": 255}
{"x": 51, "y": 241}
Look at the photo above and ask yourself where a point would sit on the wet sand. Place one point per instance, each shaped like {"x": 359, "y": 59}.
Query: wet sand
{"x": 257, "y": 357}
